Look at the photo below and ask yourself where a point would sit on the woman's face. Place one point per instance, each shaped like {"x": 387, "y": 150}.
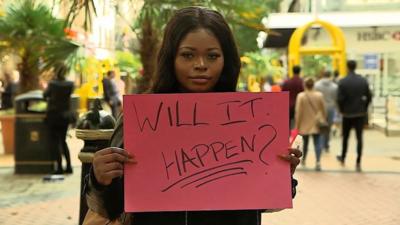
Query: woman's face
{"x": 199, "y": 61}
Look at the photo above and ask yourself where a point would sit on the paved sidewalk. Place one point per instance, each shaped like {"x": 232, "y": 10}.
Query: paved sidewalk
{"x": 332, "y": 198}
{"x": 327, "y": 198}
{"x": 380, "y": 154}
{"x": 28, "y": 200}
{"x": 336, "y": 196}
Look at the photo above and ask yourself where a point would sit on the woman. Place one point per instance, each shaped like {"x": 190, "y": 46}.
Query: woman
{"x": 58, "y": 115}
{"x": 198, "y": 54}
{"x": 309, "y": 110}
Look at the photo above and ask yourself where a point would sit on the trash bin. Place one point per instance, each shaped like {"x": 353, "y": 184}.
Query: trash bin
{"x": 95, "y": 129}
{"x": 32, "y": 143}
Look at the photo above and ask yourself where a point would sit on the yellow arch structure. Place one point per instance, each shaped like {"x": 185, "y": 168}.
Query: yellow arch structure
{"x": 337, "y": 50}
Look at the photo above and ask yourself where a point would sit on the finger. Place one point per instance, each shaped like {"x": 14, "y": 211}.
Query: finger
{"x": 111, "y": 150}
{"x": 104, "y": 151}
{"x": 296, "y": 152}
{"x": 113, "y": 166}
{"x": 291, "y": 159}
{"x": 122, "y": 151}
{"x": 114, "y": 174}
{"x": 285, "y": 157}
{"x": 113, "y": 157}
{"x": 294, "y": 161}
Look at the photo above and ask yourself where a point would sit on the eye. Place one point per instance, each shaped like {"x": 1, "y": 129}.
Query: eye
{"x": 187, "y": 55}
{"x": 213, "y": 56}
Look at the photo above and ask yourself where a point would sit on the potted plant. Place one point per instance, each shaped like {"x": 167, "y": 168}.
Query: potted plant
{"x": 29, "y": 31}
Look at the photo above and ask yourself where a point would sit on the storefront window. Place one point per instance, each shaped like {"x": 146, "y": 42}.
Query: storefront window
{"x": 393, "y": 74}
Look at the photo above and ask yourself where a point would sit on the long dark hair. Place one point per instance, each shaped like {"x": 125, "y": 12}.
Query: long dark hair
{"x": 184, "y": 21}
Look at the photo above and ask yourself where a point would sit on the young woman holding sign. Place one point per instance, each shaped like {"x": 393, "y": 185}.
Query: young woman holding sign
{"x": 198, "y": 54}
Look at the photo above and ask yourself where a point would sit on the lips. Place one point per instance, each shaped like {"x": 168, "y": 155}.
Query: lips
{"x": 200, "y": 79}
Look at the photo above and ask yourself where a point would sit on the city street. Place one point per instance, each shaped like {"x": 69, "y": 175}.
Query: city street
{"x": 336, "y": 196}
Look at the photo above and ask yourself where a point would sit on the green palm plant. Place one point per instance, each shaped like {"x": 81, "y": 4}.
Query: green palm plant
{"x": 243, "y": 16}
{"x": 30, "y": 31}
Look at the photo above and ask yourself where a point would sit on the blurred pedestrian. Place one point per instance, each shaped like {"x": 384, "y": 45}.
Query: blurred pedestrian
{"x": 329, "y": 90}
{"x": 266, "y": 84}
{"x": 310, "y": 109}
{"x": 111, "y": 93}
{"x": 294, "y": 85}
{"x": 59, "y": 115}
{"x": 354, "y": 96}
{"x": 337, "y": 118}
{"x": 9, "y": 92}
{"x": 336, "y": 76}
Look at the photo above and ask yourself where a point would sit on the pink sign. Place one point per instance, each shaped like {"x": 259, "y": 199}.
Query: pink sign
{"x": 210, "y": 151}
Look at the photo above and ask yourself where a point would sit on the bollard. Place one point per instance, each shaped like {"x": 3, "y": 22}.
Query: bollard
{"x": 95, "y": 128}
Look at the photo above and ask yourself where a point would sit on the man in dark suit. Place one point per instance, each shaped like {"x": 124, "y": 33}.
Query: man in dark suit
{"x": 111, "y": 93}
{"x": 354, "y": 96}
{"x": 58, "y": 115}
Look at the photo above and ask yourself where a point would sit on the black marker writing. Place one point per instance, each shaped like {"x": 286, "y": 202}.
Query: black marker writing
{"x": 243, "y": 141}
{"x": 168, "y": 114}
{"x": 251, "y": 101}
{"x": 195, "y": 123}
{"x": 204, "y": 171}
{"x": 186, "y": 160}
{"x": 178, "y": 123}
{"x": 268, "y": 142}
{"x": 228, "y": 113}
{"x": 230, "y": 104}
{"x": 147, "y": 120}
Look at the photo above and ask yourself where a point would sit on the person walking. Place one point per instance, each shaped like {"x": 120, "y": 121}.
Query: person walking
{"x": 294, "y": 85}
{"x": 111, "y": 93}
{"x": 354, "y": 97}
{"x": 310, "y": 108}
{"x": 329, "y": 90}
{"x": 58, "y": 115}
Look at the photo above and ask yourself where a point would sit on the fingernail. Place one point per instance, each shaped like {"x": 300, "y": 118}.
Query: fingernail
{"x": 131, "y": 161}
{"x": 282, "y": 156}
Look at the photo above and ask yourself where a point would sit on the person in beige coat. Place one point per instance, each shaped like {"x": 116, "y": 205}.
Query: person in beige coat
{"x": 309, "y": 110}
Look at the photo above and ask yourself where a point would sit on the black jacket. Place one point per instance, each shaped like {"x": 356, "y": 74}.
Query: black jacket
{"x": 354, "y": 96}
{"x": 58, "y": 95}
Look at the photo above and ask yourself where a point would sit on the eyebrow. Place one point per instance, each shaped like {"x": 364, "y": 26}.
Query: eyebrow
{"x": 192, "y": 48}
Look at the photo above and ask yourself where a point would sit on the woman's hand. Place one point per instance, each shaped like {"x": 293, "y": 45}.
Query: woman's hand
{"x": 108, "y": 164}
{"x": 293, "y": 158}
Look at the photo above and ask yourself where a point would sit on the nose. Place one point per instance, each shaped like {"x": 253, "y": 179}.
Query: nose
{"x": 200, "y": 64}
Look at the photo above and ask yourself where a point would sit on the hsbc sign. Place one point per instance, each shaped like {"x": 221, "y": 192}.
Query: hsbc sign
{"x": 376, "y": 35}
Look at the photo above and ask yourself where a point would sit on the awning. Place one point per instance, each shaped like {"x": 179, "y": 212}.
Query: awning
{"x": 340, "y": 19}
{"x": 279, "y": 38}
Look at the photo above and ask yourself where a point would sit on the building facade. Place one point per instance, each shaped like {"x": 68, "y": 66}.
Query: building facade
{"x": 372, "y": 34}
